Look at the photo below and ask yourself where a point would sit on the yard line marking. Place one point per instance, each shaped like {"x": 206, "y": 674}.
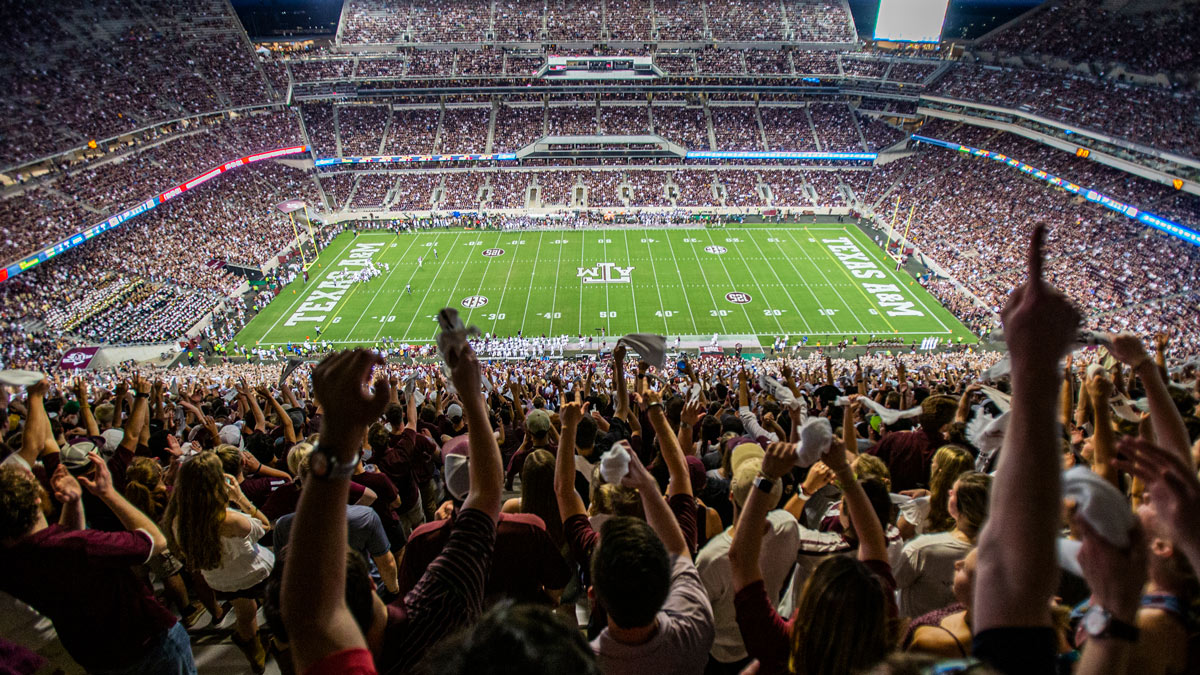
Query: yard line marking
{"x": 532, "y": 273}
{"x": 632, "y": 293}
{"x": 811, "y": 292}
{"x": 482, "y": 279}
{"x": 582, "y": 245}
{"x": 749, "y": 321}
{"x": 383, "y": 284}
{"x": 658, "y": 286}
{"x": 443, "y": 263}
{"x": 807, "y": 328}
{"x": 554, "y": 297}
{"x": 682, "y": 283}
{"x": 398, "y": 295}
{"x": 849, "y": 278}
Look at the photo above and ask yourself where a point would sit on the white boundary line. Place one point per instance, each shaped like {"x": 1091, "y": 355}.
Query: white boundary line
{"x": 828, "y": 283}
{"x": 799, "y": 313}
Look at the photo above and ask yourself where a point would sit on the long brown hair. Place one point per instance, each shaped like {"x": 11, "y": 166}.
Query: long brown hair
{"x": 144, "y": 487}
{"x": 952, "y": 461}
{"x": 196, "y": 510}
{"x": 537, "y": 492}
{"x": 971, "y": 493}
{"x": 841, "y": 623}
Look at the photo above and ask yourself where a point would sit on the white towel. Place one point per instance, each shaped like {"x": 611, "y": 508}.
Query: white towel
{"x": 652, "y": 348}
{"x": 614, "y": 464}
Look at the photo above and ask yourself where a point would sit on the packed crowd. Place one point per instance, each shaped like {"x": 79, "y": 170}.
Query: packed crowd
{"x": 1118, "y": 36}
{"x": 376, "y": 21}
{"x": 78, "y": 71}
{"x": 889, "y": 514}
{"x": 64, "y": 203}
{"x": 1116, "y": 108}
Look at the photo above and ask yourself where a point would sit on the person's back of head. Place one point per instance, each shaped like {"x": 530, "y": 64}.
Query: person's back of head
{"x": 394, "y": 414}
{"x": 144, "y": 487}
{"x": 517, "y": 640}
{"x": 971, "y": 492}
{"x": 937, "y": 412}
{"x": 537, "y": 492}
{"x": 949, "y": 462}
{"x": 20, "y": 501}
{"x": 841, "y": 623}
{"x": 614, "y": 500}
{"x": 231, "y": 459}
{"x": 585, "y": 434}
{"x": 631, "y": 572}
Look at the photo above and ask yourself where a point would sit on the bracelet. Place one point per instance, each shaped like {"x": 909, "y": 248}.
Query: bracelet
{"x": 141, "y": 395}
{"x": 656, "y": 404}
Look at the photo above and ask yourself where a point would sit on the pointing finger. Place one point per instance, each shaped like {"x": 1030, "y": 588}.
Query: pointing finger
{"x": 1037, "y": 242}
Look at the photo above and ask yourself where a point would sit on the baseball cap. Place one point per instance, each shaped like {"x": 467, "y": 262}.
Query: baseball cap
{"x": 70, "y": 407}
{"x": 745, "y": 451}
{"x": 112, "y": 439}
{"x": 538, "y": 423}
{"x": 455, "y": 458}
{"x": 75, "y": 455}
{"x": 454, "y": 411}
{"x": 696, "y": 474}
{"x": 230, "y": 434}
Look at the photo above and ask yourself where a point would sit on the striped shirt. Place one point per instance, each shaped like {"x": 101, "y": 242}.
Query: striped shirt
{"x": 448, "y": 597}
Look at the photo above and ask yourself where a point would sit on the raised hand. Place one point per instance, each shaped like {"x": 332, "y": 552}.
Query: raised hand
{"x": 340, "y": 384}
{"x": 66, "y": 488}
{"x": 1128, "y": 349}
{"x": 1173, "y": 488}
{"x": 1040, "y": 323}
{"x": 571, "y": 413}
{"x": 692, "y": 413}
{"x": 100, "y": 484}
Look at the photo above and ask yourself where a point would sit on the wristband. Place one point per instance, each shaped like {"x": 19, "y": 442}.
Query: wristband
{"x": 764, "y": 484}
{"x": 141, "y": 395}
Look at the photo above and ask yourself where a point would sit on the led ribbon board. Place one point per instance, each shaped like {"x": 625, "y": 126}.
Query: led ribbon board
{"x": 111, "y": 222}
{"x": 1128, "y": 210}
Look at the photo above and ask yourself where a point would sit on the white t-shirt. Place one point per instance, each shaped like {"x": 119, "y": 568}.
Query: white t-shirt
{"x": 684, "y": 636}
{"x": 925, "y": 576}
{"x": 779, "y": 546}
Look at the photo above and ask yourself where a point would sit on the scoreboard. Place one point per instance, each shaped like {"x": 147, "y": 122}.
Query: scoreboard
{"x": 599, "y": 68}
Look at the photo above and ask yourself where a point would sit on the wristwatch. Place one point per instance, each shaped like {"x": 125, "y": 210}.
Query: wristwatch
{"x": 765, "y": 484}
{"x": 325, "y": 466}
{"x": 1099, "y": 623}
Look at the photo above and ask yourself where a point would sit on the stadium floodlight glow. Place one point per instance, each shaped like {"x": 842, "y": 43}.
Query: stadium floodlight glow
{"x": 732, "y": 154}
{"x": 911, "y": 20}
{"x": 1128, "y": 210}
{"x": 9, "y": 271}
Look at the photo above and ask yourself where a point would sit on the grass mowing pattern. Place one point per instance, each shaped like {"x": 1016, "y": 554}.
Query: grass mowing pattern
{"x": 799, "y": 280}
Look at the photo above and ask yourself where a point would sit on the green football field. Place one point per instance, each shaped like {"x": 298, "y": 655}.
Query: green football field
{"x": 751, "y": 283}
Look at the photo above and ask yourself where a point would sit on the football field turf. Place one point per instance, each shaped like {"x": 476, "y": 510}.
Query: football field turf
{"x": 750, "y": 283}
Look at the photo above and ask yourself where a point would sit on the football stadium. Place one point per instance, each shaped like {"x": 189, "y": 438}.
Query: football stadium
{"x": 713, "y": 337}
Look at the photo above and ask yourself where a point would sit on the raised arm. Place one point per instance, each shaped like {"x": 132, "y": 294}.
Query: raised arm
{"x": 1100, "y": 388}
{"x": 37, "y": 424}
{"x": 569, "y": 501}
{"x": 313, "y": 598}
{"x": 85, "y": 407}
{"x": 1169, "y": 429}
{"x": 745, "y": 549}
{"x": 1015, "y": 578}
{"x": 872, "y": 544}
{"x": 101, "y": 485}
{"x": 285, "y": 420}
{"x": 658, "y": 513}
{"x": 964, "y": 402}
{"x": 140, "y": 415}
{"x": 485, "y": 468}
{"x": 621, "y": 393}
{"x": 668, "y": 444}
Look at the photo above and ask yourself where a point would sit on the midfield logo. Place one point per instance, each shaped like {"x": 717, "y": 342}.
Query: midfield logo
{"x": 603, "y": 274}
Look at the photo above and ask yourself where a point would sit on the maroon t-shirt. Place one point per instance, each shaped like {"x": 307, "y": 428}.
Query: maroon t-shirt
{"x": 259, "y": 488}
{"x": 285, "y": 499}
{"x": 385, "y": 494}
{"x": 524, "y": 562}
{"x": 908, "y": 455}
{"x": 82, "y": 581}
{"x": 406, "y": 461}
